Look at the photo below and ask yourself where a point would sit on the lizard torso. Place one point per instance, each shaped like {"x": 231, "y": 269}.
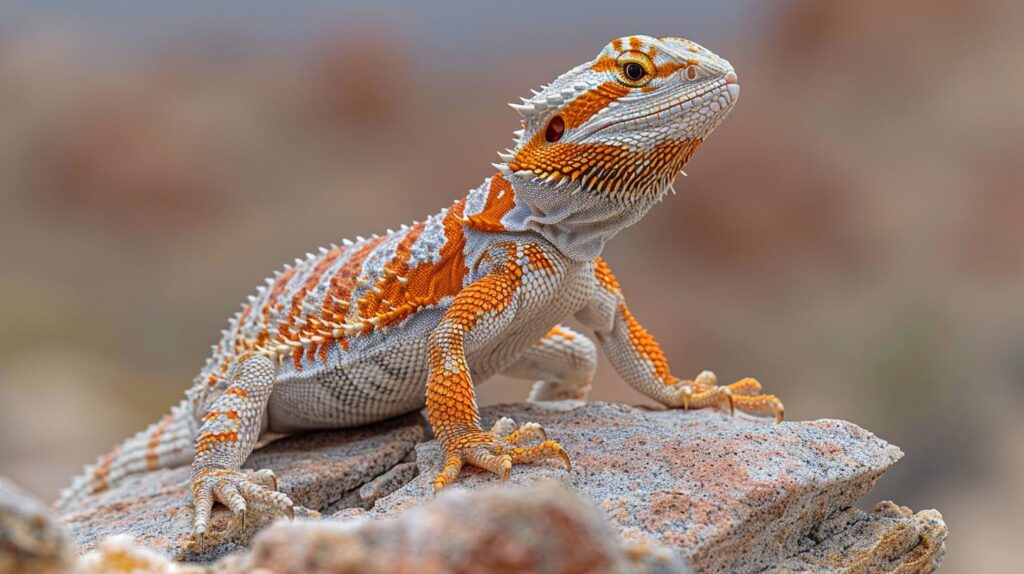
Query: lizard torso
{"x": 349, "y": 325}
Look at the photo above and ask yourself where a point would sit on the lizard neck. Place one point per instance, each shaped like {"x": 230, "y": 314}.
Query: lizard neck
{"x": 576, "y": 221}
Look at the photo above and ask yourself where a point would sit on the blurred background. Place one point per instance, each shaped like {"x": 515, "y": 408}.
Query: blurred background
{"x": 853, "y": 235}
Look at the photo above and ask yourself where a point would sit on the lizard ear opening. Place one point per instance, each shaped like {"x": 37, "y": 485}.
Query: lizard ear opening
{"x": 556, "y": 127}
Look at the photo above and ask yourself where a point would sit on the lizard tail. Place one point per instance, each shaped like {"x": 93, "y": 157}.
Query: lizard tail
{"x": 164, "y": 444}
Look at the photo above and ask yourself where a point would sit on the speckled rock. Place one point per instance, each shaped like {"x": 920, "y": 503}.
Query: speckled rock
{"x": 651, "y": 491}
{"x": 541, "y": 529}
{"x": 533, "y": 525}
{"x": 121, "y": 554}
{"x": 322, "y": 472}
{"x": 730, "y": 494}
{"x": 32, "y": 540}
{"x": 889, "y": 539}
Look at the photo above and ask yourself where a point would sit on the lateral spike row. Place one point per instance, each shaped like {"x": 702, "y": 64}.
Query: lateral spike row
{"x": 523, "y": 109}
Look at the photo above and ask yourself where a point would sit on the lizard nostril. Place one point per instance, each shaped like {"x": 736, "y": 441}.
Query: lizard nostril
{"x": 731, "y": 78}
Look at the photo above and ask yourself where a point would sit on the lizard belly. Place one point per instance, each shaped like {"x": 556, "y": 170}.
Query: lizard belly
{"x": 340, "y": 394}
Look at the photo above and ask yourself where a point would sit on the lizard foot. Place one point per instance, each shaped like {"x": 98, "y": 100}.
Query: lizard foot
{"x": 745, "y": 394}
{"x": 235, "y": 489}
{"x": 498, "y": 449}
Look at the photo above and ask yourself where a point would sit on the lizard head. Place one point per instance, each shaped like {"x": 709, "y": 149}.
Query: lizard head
{"x": 622, "y": 126}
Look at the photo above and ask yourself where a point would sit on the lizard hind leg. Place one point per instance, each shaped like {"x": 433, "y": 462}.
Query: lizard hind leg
{"x": 230, "y": 430}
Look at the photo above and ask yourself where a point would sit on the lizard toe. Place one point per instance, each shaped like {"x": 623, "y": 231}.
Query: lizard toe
{"x": 498, "y": 454}
{"x": 236, "y": 490}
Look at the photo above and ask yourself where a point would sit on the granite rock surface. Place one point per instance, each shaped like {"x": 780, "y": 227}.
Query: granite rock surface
{"x": 32, "y": 540}
{"x": 650, "y": 491}
{"x": 731, "y": 494}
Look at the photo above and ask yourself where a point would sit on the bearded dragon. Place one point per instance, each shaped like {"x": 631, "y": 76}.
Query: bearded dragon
{"x": 381, "y": 326}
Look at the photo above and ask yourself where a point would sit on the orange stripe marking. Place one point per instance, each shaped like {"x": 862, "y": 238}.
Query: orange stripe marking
{"x": 152, "y": 459}
{"x": 501, "y": 198}
{"x": 589, "y": 103}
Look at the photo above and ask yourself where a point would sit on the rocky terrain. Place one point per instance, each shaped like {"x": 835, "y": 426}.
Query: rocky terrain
{"x": 651, "y": 491}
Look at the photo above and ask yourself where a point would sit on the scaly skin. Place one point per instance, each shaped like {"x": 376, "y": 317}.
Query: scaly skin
{"x": 387, "y": 325}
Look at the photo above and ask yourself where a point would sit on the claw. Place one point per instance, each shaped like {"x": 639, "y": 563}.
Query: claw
{"x": 200, "y": 537}
{"x": 565, "y": 459}
{"x": 687, "y": 397}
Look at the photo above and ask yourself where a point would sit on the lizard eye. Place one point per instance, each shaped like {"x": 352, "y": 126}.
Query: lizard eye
{"x": 635, "y": 69}
{"x": 556, "y": 127}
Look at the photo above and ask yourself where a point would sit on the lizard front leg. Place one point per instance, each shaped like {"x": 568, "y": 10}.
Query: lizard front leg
{"x": 639, "y": 360}
{"x": 229, "y": 433}
{"x": 562, "y": 364}
{"x": 477, "y": 315}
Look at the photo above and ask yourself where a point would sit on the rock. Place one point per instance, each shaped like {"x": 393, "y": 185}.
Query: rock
{"x": 730, "y": 494}
{"x": 388, "y": 482}
{"x": 539, "y": 528}
{"x": 322, "y": 472}
{"x": 651, "y": 491}
{"x": 542, "y": 528}
{"x": 120, "y": 554}
{"x": 889, "y": 539}
{"x": 32, "y": 540}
